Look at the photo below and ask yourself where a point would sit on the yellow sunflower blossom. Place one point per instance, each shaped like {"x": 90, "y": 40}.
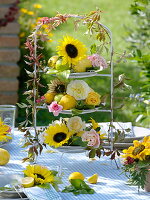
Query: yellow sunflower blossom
{"x": 57, "y": 135}
{"x": 36, "y": 5}
{"x": 71, "y": 50}
{"x": 4, "y": 132}
{"x": 140, "y": 149}
{"x": 40, "y": 174}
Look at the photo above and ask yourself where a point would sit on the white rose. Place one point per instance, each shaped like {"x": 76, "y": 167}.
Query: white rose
{"x": 76, "y": 124}
{"x": 79, "y": 89}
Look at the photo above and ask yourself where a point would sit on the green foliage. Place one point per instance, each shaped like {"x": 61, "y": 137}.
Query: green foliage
{"x": 140, "y": 45}
{"x": 78, "y": 187}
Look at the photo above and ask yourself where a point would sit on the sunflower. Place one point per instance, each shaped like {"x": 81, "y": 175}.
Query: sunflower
{"x": 57, "y": 135}
{"x": 71, "y": 50}
{"x": 57, "y": 86}
{"x": 140, "y": 149}
{"x": 4, "y": 132}
{"x": 40, "y": 174}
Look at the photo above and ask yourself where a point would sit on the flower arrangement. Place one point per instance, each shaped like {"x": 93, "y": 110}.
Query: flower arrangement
{"x": 5, "y": 132}
{"x": 74, "y": 132}
{"x": 137, "y": 162}
{"x": 42, "y": 176}
{"x": 72, "y": 58}
{"x": 76, "y": 95}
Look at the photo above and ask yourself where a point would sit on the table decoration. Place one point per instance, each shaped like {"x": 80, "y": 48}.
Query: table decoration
{"x": 137, "y": 163}
{"x": 72, "y": 59}
{"x": 7, "y": 123}
{"x": 74, "y": 132}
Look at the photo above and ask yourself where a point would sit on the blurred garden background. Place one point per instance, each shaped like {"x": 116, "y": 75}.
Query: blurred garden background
{"x": 129, "y": 22}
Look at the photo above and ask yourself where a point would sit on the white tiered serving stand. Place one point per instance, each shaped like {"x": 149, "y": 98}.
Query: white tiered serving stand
{"x": 83, "y": 75}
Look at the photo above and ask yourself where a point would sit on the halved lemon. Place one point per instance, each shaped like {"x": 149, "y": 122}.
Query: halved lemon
{"x": 27, "y": 182}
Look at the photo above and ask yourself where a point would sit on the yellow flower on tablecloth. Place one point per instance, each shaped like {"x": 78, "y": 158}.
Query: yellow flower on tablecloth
{"x": 93, "y": 98}
{"x": 71, "y": 50}
{"x": 57, "y": 135}
{"x": 140, "y": 149}
{"x": 41, "y": 174}
{"x": 4, "y": 132}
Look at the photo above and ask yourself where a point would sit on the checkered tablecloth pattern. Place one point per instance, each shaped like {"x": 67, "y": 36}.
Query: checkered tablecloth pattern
{"x": 111, "y": 183}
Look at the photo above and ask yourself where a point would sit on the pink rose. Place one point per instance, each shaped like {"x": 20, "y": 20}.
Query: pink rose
{"x": 55, "y": 108}
{"x": 92, "y": 137}
{"x": 98, "y": 61}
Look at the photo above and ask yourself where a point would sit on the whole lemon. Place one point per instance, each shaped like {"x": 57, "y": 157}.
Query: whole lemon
{"x": 82, "y": 65}
{"x": 4, "y": 156}
{"x": 49, "y": 97}
{"x": 67, "y": 102}
{"x": 52, "y": 61}
{"x": 27, "y": 182}
{"x": 76, "y": 175}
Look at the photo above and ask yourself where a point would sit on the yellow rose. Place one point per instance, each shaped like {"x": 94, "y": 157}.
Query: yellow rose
{"x": 93, "y": 99}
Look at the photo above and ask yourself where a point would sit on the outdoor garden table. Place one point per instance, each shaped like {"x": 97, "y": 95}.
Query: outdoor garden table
{"x": 111, "y": 183}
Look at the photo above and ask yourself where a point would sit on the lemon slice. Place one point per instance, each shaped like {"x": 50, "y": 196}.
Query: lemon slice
{"x": 27, "y": 182}
{"x": 76, "y": 175}
{"x": 93, "y": 179}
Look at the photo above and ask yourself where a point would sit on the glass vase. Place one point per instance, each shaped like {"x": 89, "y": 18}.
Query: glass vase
{"x": 7, "y": 123}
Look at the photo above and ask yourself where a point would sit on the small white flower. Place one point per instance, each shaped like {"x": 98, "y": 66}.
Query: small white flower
{"x": 76, "y": 124}
{"x": 41, "y": 138}
{"x": 79, "y": 89}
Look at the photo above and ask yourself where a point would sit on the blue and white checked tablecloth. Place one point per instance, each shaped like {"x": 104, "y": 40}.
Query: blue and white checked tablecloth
{"x": 111, "y": 183}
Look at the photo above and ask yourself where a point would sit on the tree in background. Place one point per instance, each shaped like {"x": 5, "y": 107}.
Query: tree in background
{"x": 140, "y": 46}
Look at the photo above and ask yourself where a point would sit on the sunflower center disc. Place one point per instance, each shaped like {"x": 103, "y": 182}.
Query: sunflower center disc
{"x": 71, "y": 50}
{"x": 59, "y": 137}
{"x": 137, "y": 150}
{"x": 40, "y": 176}
{"x": 60, "y": 89}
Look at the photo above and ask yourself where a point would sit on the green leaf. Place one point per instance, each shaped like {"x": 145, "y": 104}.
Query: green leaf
{"x": 76, "y": 183}
{"x": 93, "y": 48}
{"x": 92, "y": 153}
{"x": 45, "y": 186}
{"x": 64, "y": 75}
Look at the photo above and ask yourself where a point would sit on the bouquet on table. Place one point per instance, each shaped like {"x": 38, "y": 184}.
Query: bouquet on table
{"x": 73, "y": 132}
{"x": 137, "y": 163}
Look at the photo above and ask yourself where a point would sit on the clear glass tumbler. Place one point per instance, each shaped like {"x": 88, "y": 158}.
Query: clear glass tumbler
{"x": 7, "y": 123}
